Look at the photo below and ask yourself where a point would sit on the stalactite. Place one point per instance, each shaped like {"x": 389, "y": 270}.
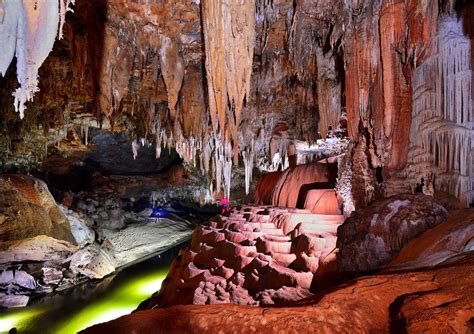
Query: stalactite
{"x": 30, "y": 28}
{"x": 441, "y": 137}
{"x": 12, "y": 12}
{"x": 229, "y": 33}
{"x": 135, "y": 148}
{"x": 329, "y": 92}
{"x": 172, "y": 69}
{"x": 248, "y": 157}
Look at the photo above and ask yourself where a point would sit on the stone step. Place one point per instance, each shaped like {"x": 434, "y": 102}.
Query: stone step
{"x": 275, "y": 231}
{"x": 276, "y": 237}
{"x": 266, "y": 246}
{"x": 319, "y": 228}
{"x": 283, "y": 258}
{"x": 260, "y": 219}
{"x": 266, "y": 225}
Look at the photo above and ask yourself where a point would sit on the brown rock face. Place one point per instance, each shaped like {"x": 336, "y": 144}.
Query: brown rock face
{"x": 438, "y": 300}
{"x": 371, "y": 237}
{"x": 27, "y": 209}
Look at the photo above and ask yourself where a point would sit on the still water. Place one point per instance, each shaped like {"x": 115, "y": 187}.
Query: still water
{"x": 94, "y": 302}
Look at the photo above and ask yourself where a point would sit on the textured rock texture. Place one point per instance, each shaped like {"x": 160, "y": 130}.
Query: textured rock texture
{"x": 437, "y": 300}
{"x": 255, "y": 256}
{"x": 92, "y": 261}
{"x": 27, "y": 209}
{"x": 291, "y": 187}
{"x": 453, "y": 237}
{"x": 371, "y": 237}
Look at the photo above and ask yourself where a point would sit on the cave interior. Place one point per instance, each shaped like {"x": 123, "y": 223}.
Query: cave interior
{"x": 297, "y": 165}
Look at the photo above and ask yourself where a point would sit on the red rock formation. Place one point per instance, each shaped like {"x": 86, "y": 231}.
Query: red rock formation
{"x": 453, "y": 237}
{"x": 256, "y": 255}
{"x": 290, "y": 188}
{"x": 322, "y": 201}
{"x": 434, "y": 301}
{"x": 265, "y": 188}
{"x": 371, "y": 237}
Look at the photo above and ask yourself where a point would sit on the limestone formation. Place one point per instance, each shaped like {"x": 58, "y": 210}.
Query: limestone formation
{"x": 28, "y": 209}
{"x": 372, "y": 237}
{"x": 255, "y": 256}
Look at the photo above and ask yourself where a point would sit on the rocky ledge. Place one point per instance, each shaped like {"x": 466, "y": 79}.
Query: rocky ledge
{"x": 47, "y": 247}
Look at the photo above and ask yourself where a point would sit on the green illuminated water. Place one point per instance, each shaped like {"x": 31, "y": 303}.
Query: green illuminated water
{"x": 83, "y": 306}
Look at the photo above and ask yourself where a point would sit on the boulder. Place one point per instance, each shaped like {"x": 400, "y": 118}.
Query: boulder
{"x": 373, "y": 236}
{"x": 17, "y": 277}
{"x": 13, "y": 300}
{"x": 451, "y": 238}
{"x": 92, "y": 261}
{"x": 52, "y": 275}
{"x": 80, "y": 229}
{"x": 40, "y": 248}
{"x": 27, "y": 209}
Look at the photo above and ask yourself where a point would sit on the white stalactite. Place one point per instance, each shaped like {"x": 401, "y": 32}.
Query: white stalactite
{"x": 135, "y": 148}
{"x": 229, "y": 37}
{"x": 442, "y": 128}
{"x": 29, "y": 29}
{"x": 248, "y": 157}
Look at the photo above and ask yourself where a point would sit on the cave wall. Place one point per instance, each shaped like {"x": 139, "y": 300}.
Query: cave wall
{"x": 141, "y": 66}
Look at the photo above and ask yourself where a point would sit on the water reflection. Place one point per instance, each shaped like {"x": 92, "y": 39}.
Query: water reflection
{"x": 83, "y": 306}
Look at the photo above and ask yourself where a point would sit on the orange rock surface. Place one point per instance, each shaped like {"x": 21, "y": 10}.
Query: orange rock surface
{"x": 435, "y": 301}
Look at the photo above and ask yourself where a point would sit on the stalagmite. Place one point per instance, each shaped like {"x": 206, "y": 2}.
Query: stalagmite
{"x": 85, "y": 133}
{"x": 29, "y": 28}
